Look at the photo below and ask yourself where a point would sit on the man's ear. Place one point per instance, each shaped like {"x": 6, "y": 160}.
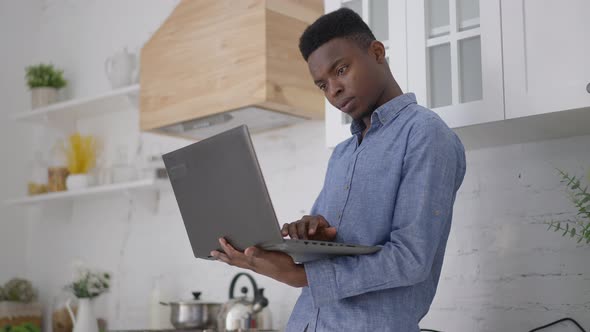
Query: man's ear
{"x": 377, "y": 51}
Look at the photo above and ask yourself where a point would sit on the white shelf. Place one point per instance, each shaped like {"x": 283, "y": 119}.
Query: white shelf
{"x": 91, "y": 191}
{"x": 74, "y": 109}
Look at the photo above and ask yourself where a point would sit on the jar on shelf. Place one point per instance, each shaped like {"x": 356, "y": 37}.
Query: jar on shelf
{"x": 57, "y": 172}
{"x": 122, "y": 170}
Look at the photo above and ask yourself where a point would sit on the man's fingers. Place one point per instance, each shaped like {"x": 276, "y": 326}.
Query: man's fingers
{"x": 313, "y": 225}
{"x": 322, "y": 222}
{"x": 330, "y": 233}
{"x": 234, "y": 257}
{"x": 305, "y": 227}
{"x": 230, "y": 251}
{"x": 302, "y": 230}
{"x": 253, "y": 252}
{"x": 220, "y": 256}
{"x": 293, "y": 230}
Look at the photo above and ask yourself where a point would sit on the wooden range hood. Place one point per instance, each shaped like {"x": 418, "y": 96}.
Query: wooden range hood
{"x": 216, "y": 64}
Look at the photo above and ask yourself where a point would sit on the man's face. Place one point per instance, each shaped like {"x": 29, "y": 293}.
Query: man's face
{"x": 349, "y": 76}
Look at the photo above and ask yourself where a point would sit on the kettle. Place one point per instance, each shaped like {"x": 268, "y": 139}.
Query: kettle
{"x": 243, "y": 314}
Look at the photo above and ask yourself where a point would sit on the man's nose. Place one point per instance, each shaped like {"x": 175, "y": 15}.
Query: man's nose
{"x": 335, "y": 88}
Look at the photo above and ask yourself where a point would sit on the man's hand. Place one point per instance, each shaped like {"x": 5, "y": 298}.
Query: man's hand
{"x": 273, "y": 264}
{"x": 310, "y": 227}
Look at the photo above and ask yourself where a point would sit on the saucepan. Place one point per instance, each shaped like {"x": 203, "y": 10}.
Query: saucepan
{"x": 193, "y": 313}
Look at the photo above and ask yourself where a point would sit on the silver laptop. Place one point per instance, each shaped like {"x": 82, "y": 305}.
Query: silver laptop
{"x": 220, "y": 192}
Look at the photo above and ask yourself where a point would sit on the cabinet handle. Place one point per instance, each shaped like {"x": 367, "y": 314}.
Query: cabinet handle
{"x": 588, "y": 87}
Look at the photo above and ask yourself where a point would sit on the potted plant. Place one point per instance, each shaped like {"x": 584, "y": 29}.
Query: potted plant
{"x": 87, "y": 286}
{"x": 81, "y": 158}
{"x": 44, "y": 80}
{"x": 579, "y": 194}
{"x": 18, "y": 309}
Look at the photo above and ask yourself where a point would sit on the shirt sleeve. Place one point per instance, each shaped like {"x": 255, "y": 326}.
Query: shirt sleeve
{"x": 434, "y": 167}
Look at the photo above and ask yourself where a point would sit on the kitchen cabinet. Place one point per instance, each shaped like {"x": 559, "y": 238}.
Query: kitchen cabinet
{"x": 388, "y": 24}
{"x": 546, "y": 56}
{"x": 455, "y": 59}
{"x": 497, "y": 71}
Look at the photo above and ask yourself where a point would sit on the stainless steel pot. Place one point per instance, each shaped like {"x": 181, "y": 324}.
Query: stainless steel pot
{"x": 193, "y": 314}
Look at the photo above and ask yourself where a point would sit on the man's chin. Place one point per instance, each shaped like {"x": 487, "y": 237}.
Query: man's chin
{"x": 355, "y": 116}
{"x": 351, "y": 114}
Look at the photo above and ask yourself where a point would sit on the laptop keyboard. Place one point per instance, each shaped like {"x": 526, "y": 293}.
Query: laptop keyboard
{"x": 322, "y": 243}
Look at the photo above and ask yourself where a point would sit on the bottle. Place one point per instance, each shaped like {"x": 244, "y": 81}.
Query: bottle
{"x": 155, "y": 305}
{"x": 159, "y": 315}
{"x": 122, "y": 170}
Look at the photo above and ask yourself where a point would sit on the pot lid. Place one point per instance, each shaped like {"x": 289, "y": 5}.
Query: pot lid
{"x": 196, "y": 300}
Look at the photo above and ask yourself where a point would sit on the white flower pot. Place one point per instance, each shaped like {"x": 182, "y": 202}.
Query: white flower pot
{"x": 43, "y": 96}
{"x": 77, "y": 181}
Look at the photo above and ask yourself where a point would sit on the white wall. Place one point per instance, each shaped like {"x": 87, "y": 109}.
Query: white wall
{"x": 18, "y": 32}
{"x": 503, "y": 271}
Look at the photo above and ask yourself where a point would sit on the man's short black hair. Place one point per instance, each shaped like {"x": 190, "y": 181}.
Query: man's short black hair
{"x": 342, "y": 23}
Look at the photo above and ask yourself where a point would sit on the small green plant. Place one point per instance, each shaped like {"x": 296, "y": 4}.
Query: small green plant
{"x": 19, "y": 290}
{"x": 90, "y": 284}
{"x": 579, "y": 195}
{"x": 24, "y": 327}
{"x": 43, "y": 75}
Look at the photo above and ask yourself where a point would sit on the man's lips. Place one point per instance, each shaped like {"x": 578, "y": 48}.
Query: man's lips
{"x": 345, "y": 105}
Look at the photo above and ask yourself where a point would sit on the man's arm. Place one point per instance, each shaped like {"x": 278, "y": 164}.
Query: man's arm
{"x": 432, "y": 171}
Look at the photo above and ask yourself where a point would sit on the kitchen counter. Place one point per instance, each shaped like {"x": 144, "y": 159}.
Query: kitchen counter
{"x": 194, "y": 330}
{"x": 173, "y": 330}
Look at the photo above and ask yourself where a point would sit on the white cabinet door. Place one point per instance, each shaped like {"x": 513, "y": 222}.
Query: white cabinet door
{"x": 546, "y": 55}
{"x": 337, "y": 123}
{"x": 387, "y": 20}
{"x": 455, "y": 59}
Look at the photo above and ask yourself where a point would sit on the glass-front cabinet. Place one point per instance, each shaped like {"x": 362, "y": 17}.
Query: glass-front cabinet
{"x": 445, "y": 51}
{"x": 455, "y": 59}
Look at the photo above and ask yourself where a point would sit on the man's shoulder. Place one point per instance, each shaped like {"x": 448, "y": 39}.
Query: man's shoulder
{"x": 417, "y": 118}
{"x": 424, "y": 124}
{"x": 419, "y": 115}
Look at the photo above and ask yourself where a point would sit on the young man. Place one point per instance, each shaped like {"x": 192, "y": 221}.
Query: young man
{"x": 393, "y": 183}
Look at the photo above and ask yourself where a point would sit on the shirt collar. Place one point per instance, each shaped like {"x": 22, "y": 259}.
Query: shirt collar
{"x": 385, "y": 112}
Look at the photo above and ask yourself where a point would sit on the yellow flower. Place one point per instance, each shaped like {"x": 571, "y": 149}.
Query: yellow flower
{"x": 81, "y": 153}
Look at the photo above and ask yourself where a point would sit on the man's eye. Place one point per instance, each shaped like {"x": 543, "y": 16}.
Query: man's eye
{"x": 342, "y": 70}
{"x": 322, "y": 87}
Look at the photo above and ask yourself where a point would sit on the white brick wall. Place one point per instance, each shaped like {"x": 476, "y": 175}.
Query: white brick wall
{"x": 503, "y": 271}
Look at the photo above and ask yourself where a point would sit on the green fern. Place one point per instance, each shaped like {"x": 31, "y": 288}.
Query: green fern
{"x": 579, "y": 195}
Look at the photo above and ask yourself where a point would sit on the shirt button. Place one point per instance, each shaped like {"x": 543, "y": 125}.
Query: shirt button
{"x": 339, "y": 215}
{"x": 347, "y": 187}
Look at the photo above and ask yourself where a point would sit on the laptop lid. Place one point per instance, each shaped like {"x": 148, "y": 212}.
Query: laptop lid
{"x": 221, "y": 192}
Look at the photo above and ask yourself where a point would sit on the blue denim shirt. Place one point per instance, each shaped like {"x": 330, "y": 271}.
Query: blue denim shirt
{"x": 395, "y": 189}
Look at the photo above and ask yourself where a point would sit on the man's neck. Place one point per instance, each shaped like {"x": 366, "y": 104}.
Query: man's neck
{"x": 388, "y": 94}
